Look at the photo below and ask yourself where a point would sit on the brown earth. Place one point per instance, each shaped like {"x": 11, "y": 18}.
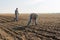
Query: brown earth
{"x": 48, "y": 27}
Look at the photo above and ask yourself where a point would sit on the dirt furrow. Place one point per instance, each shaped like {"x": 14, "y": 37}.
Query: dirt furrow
{"x": 45, "y": 35}
{"x": 11, "y": 33}
{"x": 5, "y": 36}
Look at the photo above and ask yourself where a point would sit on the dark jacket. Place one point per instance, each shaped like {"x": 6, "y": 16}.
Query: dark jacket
{"x": 33, "y": 16}
{"x": 16, "y": 12}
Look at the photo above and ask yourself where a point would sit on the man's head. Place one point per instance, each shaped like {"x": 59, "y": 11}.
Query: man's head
{"x": 16, "y": 8}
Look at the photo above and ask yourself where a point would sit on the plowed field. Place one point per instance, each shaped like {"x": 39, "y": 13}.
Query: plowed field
{"x": 48, "y": 27}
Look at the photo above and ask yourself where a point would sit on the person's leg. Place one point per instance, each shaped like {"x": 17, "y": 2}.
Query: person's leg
{"x": 16, "y": 17}
{"x": 29, "y": 22}
{"x": 35, "y": 22}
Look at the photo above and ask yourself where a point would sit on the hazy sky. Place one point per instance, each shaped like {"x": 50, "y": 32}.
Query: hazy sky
{"x": 29, "y": 6}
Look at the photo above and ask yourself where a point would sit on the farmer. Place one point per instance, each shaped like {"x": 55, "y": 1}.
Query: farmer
{"x": 33, "y": 18}
{"x": 16, "y": 14}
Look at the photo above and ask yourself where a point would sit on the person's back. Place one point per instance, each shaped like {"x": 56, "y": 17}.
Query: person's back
{"x": 33, "y": 17}
{"x": 16, "y": 11}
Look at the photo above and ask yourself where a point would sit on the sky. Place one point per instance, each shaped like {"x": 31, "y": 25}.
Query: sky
{"x": 30, "y": 6}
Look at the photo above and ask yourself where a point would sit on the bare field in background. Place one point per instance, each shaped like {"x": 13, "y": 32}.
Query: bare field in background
{"x": 48, "y": 27}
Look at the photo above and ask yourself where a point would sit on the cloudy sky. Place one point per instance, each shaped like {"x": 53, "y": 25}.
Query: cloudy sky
{"x": 29, "y": 6}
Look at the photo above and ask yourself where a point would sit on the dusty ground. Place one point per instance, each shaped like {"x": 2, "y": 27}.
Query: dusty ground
{"x": 48, "y": 27}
